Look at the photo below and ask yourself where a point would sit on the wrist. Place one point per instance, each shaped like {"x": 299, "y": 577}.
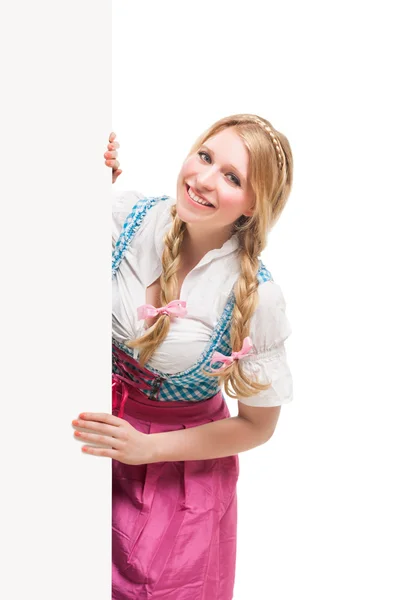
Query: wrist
{"x": 151, "y": 448}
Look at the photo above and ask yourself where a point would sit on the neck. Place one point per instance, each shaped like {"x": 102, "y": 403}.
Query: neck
{"x": 197, "y": 243}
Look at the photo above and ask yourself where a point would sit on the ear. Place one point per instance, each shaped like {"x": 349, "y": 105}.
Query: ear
{"x": 249, "y": 212}
{"x": 252, "y": 202}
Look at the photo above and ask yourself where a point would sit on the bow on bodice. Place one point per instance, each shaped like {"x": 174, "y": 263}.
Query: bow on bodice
{"x": 175, "y": 308}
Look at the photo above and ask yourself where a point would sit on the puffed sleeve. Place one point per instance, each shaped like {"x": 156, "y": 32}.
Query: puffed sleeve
{"x": 122, "y": 205}
{"x": 268, "y": 362}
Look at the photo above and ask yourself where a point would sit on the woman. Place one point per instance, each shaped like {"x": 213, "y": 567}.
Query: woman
{"x": 194, "y": 312}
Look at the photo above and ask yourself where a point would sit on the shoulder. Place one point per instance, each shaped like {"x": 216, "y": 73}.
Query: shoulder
{"x": 268, "y": 363}
{"x": 271, "y": 295}
{"x": 123, "y": 202}
{"x": 154, "y": 217}
{"x": 149, "y": 221}
{"x": 132, "y": 209}
{"x": 269, "y": 325}
{"x": 126, "y": 202}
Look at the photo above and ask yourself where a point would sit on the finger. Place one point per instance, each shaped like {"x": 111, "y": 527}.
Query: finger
{"x": 104, "y": 440}
{"x": 115, "y": 175}
{"x": 114, "y": 146}
{"x": 111, "y": 154}
{"x": 112, "y": 137}
{"x": 102, "y": 418}
{"x": 113, "y": 163}
{"x": 108, "y": 452}
{"x": 91, "y": 426}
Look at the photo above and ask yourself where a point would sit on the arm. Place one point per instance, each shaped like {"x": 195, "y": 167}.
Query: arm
{"x": 252, "y": 427}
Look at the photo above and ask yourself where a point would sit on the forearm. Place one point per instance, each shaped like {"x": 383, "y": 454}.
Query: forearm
{"x": 212, "y": 440}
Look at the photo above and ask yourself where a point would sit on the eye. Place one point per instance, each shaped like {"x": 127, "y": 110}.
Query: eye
{"x": 235, "y": 179}
{"x": 201, "y": 153}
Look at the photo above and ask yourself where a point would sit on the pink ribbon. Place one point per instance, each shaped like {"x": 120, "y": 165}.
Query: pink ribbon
{"x": 119, "y": 387}
{"x": 122, "y": 385}
{"x": 176, "y": 308}
{"x": 227, "y": 360}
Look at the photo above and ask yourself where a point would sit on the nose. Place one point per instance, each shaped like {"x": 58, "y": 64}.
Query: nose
{"x": 207, "y": 178}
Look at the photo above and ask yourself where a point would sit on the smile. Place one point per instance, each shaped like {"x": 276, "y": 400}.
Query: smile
{"x": 196, "y": 199}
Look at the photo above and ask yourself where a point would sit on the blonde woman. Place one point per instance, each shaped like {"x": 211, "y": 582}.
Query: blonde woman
{"x": 195, "y": 311}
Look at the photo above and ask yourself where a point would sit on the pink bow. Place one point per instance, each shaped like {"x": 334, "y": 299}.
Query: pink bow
{"x": 118, "y": 385}
{"x": 176, "y": 308}
{"x": 227, "y": 360}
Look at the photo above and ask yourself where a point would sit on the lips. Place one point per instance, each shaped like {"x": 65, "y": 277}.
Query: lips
{"x": 198, "y": 194}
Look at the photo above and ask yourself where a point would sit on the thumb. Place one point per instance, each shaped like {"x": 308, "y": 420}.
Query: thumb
{"x": 116, "y": 174}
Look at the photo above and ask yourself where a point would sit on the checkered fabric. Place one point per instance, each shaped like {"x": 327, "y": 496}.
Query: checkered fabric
{"x": 191, "y": 384}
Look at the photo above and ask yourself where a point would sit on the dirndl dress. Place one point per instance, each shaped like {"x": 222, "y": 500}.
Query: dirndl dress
{"x": 174, "y": 524}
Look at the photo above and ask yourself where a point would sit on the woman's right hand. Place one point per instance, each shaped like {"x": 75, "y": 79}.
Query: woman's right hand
{"x": 111, "y": 157}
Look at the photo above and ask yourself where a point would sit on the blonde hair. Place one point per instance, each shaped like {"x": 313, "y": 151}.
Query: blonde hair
{"x": 270, "y": 176}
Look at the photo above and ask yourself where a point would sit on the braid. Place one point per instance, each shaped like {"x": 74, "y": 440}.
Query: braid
{"x": 157, "y": 333}
{"x": 246, "y": 302}
{"x": 171, "y": 258}
{"x": 269, "y": 131}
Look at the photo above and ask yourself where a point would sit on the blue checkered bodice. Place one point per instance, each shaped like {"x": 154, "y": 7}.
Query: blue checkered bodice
{"x": 191, "y": 384}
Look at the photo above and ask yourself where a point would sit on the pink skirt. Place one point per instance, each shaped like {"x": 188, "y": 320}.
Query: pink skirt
{"x": 174, "y": 524}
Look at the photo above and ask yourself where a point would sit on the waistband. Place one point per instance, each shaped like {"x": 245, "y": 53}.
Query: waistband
{"x": 128, "y": 396}
{"x": 132, "y": 401}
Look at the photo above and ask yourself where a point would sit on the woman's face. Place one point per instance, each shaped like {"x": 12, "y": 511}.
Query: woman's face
{"x": 217, "y": 174}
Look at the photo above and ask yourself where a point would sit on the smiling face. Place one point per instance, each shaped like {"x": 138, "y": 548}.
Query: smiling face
{"x": 218, "y": 175}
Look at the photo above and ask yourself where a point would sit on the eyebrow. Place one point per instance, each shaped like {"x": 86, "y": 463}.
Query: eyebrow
{"x": 242, "y": 177}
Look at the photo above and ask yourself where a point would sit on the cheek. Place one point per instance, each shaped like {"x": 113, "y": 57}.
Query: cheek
{"x": 191, "y": 163}
{"x": 231, "y": 199}
{"x": 185, "y": 171}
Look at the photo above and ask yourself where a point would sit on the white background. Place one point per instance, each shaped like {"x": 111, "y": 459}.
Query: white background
{"x": 318, "y": 504}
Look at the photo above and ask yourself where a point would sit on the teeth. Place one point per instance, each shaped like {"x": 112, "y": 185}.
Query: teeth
{"x": 197, "y": 199}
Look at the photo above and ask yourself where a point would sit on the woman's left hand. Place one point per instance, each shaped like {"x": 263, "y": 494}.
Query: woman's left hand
{"x": 118, "y": 439}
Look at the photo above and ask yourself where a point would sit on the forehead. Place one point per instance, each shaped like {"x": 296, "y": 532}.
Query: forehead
{"x": 228, "y": 147}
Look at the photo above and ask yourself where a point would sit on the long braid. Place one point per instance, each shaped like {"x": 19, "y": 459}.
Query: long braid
{"x": 157, "y": 333}
{"x": 171, "y": 258}
{"x": 246, "y": 302}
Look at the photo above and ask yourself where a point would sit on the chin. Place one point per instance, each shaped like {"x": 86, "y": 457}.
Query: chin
{"x": 183, "y": 214}
{"x": 183, "y": 211}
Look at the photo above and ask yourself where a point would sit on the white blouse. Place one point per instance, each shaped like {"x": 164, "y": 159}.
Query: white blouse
{"x": 205, "y": 289}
